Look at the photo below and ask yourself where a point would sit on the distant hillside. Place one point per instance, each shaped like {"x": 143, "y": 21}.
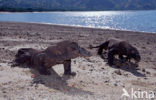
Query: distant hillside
{"x": 64, "y": 5}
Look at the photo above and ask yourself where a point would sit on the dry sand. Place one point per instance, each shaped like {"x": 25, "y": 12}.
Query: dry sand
{"x": 95, "y": 80}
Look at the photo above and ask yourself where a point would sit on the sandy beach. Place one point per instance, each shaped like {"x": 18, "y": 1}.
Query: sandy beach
{"x": 95, "y": 80}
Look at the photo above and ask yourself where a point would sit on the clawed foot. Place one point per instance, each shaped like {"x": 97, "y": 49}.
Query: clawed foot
{"x": 13, "y": 64}
{"x": 70, "y": 74}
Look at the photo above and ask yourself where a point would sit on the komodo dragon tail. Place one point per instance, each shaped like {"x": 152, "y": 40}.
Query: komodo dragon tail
{"x": 100, "y": 47}
{"x": 91, "y": 46}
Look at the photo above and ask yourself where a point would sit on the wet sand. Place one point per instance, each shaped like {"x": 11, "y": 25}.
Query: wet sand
{"x": 94, "y": 79}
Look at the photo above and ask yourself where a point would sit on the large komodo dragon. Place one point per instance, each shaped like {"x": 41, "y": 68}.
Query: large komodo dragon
{"x": 61, "y": 53}
{"x": 120, "y": 48}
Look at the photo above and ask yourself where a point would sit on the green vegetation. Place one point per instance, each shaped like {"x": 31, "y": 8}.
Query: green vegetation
{"x": 75, "y": 5}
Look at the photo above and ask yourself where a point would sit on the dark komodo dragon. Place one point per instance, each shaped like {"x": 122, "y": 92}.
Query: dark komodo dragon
{"x": 24, "y": 56}
{"x": 120, "y": 48}
{"x": 61, "y": 53}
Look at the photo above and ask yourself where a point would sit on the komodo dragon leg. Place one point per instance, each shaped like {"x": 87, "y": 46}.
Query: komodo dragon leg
{"x": 67, "y": 68}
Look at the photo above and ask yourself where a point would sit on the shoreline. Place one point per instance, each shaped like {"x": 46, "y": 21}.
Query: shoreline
{"x": 79, "y": 26}
{"x": 95, "y": 80}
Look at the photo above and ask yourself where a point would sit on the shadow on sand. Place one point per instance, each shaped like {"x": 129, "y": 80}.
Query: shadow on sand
{"x": 56, "y": 82}
{"x": 124, "y": 65}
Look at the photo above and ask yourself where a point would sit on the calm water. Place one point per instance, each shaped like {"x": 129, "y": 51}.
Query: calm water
{"x": 124, "y": 20}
